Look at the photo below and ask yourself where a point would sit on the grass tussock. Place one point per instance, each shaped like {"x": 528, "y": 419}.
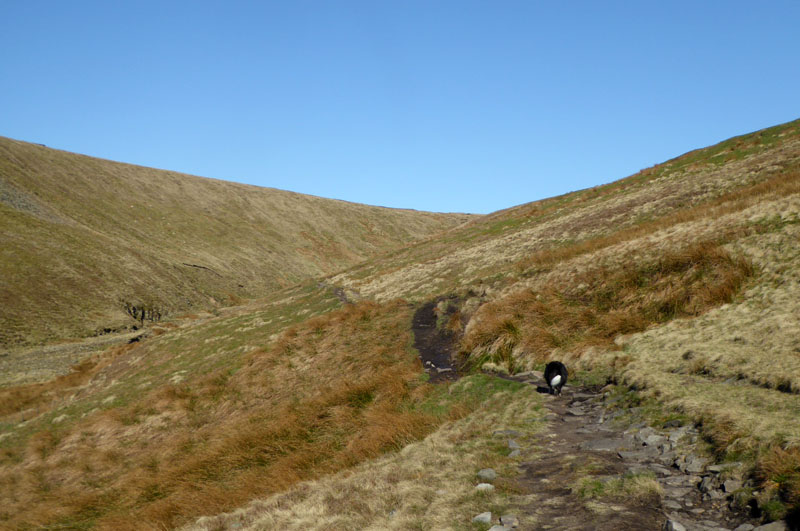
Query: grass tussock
{"x": 598, "y": 305}
{"x": 779, "y": 471}
{"x": 324, "y": 396}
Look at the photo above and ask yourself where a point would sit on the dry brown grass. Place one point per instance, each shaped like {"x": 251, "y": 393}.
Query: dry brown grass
{"x": 602, "y": 303}
{"x": 80, "y": 237}
{"x": 783, "y": 184}
{"x": 326, "y": 395}
{"x": 19, "y": 399}
{"x": 428, "y": 484}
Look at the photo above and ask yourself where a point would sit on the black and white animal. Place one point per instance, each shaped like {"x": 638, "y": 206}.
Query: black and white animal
{"x": 555, "y": 373}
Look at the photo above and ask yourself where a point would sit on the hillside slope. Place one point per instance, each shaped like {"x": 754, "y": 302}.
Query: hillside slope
{"x": 82, "y": 238}
{"x": 680, "y": 282}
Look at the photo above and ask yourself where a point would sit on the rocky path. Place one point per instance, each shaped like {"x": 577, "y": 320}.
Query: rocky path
{"x": 633, "y": 476}
{"x": 586, "y": 442}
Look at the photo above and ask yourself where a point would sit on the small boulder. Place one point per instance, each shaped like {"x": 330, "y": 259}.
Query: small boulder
{"x": 487, "y": 475}
{"x": 483, "y": 518}
{"x": 773, "y": 526}
{"x": 509, "y": 520}
{"x": 673, "y": 525}
{"x": 484, "y": 487}
{"x": 731, "y": 485}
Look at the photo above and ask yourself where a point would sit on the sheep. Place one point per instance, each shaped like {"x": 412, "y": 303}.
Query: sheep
{"x": 555, "y": 374}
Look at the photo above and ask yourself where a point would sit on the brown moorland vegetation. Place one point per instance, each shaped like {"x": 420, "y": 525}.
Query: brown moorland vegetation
{"x": 680, "y": 282}
{"x": 325, "y": 395}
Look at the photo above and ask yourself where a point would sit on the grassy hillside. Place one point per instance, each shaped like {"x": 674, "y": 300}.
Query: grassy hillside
{"x": 680, "y": 281}
{"x": 82, "y": 240}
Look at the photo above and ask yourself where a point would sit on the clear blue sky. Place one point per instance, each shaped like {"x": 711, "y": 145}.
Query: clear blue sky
{"x": 433, "y": 105}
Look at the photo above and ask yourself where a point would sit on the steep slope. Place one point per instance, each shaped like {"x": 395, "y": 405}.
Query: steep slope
{"x": 84, "y": 241}
{"x": 680, "y": 281}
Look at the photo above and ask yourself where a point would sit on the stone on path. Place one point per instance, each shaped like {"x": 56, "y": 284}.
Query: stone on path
{"x": 731, "y": 485}
{"x": 487, "y": 475}
{"x": 509, "y": 520}
{"x": 673, "y": 525}
{"x": 499, "y": 528}
{"x": 483, "y": 518}
{"x": 773, "y": 526}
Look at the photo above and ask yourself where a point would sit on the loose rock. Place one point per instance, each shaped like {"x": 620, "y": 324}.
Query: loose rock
{"x": 483, "y": 518}
{"x": 487, "y": 475}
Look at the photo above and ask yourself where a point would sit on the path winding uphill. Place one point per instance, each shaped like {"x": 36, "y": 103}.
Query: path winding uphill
{"x": 592, "y": 470}
{"x": 598, "y": 468}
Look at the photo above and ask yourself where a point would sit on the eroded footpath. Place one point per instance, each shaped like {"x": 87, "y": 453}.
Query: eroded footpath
{"x": 594, "y": 468}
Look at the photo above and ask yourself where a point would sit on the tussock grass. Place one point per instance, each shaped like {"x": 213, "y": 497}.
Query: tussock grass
{"x": 602, "y": 303}
{"x": 427, "y": 485}
{"x": 325, "y": 395}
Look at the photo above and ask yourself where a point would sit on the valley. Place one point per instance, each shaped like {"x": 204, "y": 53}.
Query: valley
{"x": 286, "y": 390}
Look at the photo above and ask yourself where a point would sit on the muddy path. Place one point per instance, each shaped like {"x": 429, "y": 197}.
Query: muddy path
{"x": 436, "y": 345}
{"x": 587, "y": 442}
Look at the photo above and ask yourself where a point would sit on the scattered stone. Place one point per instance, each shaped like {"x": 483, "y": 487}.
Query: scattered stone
{"x": 483, "y": 518}
{"x": 731, "y": 485}
{"x": 671, "y": 504}
{"x": 655, "y": 440}
{"x": 723, "y": 466}
{"x": 678, "y": 434}
{"x": 59, "y": 419}
{"x": 644, "y": 433}
{"x": 514, "y": 453}
{"x": 692, "y": 464}
{"x": 772, "y": 526}
{"x": 707, "y": 484}
{"x": 514, "y": 445}
{"x": 641, "y": 455}
{"x": 673, "y": 423}
{"x": 499, "y": 528}
{"x": 577, "y": 412}
{"x": 509, "y": 520}
{"x": 745, "y": 527}
{"x": 677, "y": 492}
{"x": 673, "y": 525}
{"x": 487, "y": 475}
{"x": 484, "y": 487}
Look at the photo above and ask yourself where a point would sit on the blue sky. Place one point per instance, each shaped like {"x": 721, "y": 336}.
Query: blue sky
{"x": 434, "y": 105}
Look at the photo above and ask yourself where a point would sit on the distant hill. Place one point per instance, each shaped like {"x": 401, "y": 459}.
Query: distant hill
{"x": 87, "y": 244}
